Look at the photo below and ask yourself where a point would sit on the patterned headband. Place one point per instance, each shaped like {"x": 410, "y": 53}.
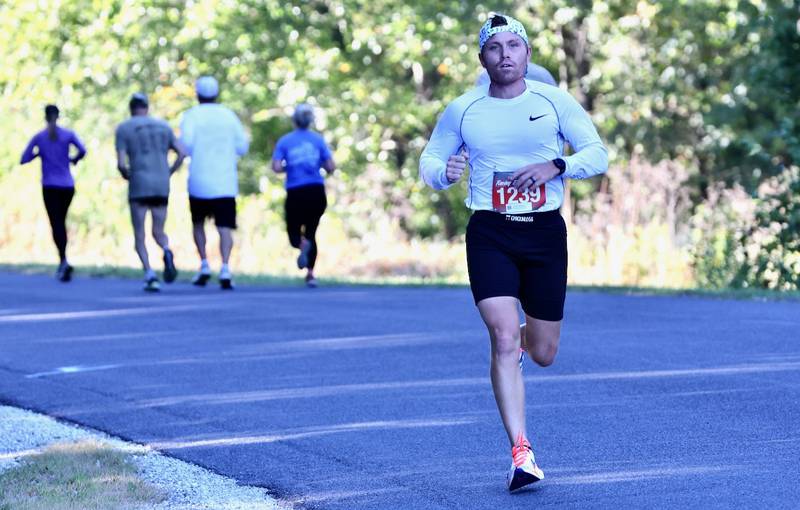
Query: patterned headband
{"x": 511, "y": 25}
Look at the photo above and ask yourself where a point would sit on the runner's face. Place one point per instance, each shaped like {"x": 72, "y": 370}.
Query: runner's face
{"x": 505, "y": 57}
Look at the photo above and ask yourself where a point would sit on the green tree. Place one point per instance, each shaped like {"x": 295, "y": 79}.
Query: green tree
{"x": 710, "y": 85}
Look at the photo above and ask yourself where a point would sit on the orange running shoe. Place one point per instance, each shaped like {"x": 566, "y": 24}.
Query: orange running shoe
{"x": 524, "y": 470}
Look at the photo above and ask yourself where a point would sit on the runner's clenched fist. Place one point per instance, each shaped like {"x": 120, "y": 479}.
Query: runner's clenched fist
{"x": 456, "y": 165}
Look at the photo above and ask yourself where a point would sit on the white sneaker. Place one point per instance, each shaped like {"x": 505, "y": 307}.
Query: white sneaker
{"x": 202, "y": 277}
{"x": 151, "y": 284}
{"x": 524, "y": 470}
{"x": 226, "y": 280}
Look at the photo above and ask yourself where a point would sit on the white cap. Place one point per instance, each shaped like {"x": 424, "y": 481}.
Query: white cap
{"x": 500, "y": 23}
{"x": 207, "y": 87}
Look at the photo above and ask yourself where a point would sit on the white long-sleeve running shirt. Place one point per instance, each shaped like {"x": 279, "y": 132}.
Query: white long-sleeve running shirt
{"x": 504, "y": 135}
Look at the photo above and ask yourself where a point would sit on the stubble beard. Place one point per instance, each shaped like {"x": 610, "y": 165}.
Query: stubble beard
{"x": 505, "y": 78}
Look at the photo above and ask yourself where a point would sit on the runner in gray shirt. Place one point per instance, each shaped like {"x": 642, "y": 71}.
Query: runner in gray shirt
{"x": 143, "y": 144}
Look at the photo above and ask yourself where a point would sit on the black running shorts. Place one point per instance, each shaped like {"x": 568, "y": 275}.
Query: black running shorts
{"x": 522, "y": 256}
{"x": 222, "y": 209}
{"x": 150, "y": 201}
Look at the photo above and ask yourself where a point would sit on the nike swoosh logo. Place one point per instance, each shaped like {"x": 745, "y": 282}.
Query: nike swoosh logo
{"x": 532, "y": 118}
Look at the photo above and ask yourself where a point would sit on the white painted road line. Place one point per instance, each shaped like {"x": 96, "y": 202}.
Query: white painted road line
{"x": 91, "y": 314}
{"x": 337, "y": 390}
{"x": 72, "y": 370}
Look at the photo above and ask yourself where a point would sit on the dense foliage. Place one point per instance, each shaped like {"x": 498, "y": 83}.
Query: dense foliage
{"x": 709, "y": 86}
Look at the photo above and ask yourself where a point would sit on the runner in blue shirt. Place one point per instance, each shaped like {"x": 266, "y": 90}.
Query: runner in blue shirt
{"x": 301, "y": 154}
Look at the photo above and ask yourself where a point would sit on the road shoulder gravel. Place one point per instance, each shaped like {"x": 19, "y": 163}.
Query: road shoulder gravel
{"x": 24, "y": 433}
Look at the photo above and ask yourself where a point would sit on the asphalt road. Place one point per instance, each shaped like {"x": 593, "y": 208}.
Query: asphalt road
{"x": 379, "y": 398}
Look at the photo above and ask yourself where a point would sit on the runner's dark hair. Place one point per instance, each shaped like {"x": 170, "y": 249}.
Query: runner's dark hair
{"x": 499, "y": 21}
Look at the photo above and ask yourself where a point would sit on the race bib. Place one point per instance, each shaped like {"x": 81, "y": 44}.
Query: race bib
{"x": 508, "y": 200}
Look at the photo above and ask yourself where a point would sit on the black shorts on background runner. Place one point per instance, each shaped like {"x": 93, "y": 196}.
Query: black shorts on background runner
{"x": 522, "y": 256}
{"x": 151, "y": 201}
{"x": 222, "y": 209}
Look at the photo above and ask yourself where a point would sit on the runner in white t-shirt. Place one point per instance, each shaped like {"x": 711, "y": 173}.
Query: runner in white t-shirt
{"x": 513, "y": 132}
{"x": 215, "y": 139}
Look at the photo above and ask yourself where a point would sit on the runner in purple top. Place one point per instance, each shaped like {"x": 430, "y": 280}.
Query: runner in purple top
{"x": 52, "y": 145}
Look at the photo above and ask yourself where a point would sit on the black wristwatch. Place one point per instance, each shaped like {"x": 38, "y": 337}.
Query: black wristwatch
{"x": 561, "y": 165}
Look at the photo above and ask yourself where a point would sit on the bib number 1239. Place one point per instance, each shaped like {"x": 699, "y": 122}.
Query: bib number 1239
{"x": 509, "y": 200}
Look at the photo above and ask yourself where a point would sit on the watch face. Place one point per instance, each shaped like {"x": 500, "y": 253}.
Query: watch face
{"x": 560, "y": 164}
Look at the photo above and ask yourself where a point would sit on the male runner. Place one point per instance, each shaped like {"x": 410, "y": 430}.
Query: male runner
{"x": 215, "y": 139}
{"x": 513, "y": 133}
{"x": 52, "y": 145}
{"x": 301, "y": 154}
{"x": 143, "y": 143}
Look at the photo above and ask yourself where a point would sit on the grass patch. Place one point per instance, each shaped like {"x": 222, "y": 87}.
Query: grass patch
{"x": 244, "y": 278}
{"x": 741, "y": 294}
{"x": 76, "y": 476}
{"x": 411, "y": 281}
